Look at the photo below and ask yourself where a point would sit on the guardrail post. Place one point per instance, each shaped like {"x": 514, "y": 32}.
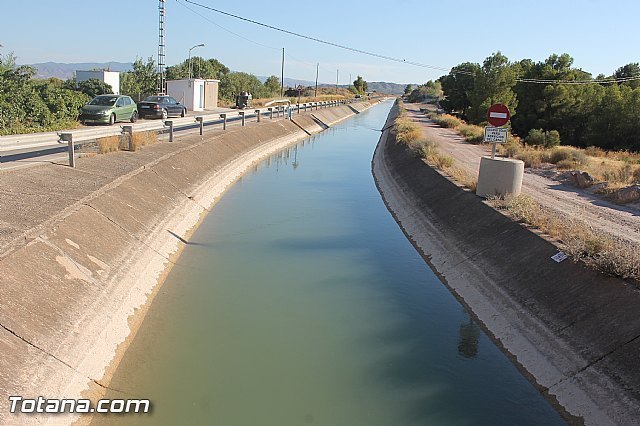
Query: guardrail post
{"x": 258, "y": 114}
{"x": 200, "y": 121}
{"x": 128, "y": 130}
{"x": 224, "y": 121}
{"x": 68, "y": 137}
{"x": 241, "y": 114}
{"x": 170, "y": 124}
{"x": 298, "y": 108}
{"x": 270, "y": 112}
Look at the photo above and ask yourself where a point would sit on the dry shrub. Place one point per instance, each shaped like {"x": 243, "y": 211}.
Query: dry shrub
{"x": 141, "y": 139}
{"x": 636, "y": 175}
{"x": 443, "y": 161}
{"x": 531, "y": 157}
{"x": 109, "y": 144}
{"x": 568, "y": 153}
{"x": 473, "y": 134}
{"x": 566, "y": 165}
{"x": 406, "y": 131}
{"x": 594, "y": 151}
{"x": 463, "y": 177}
{"x": 579, "y": 240}
{"x": 446, "y": 120}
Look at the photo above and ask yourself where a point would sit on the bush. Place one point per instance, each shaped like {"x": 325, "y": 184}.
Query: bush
{"x": 573, "y": 154}
{"x": 594, "y": 151}
{"x": 531, "y": 158}
{"x": 565, "y": 165}
{"x": 636, "y": 175}
{"x": 446, "y": 120}
{"x": 473, "y": 134}
{"x": 539, "y": 137}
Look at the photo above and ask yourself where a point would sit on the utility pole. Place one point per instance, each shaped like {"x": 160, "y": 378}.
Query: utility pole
{"x": 317, "y": 72}
{"x": 337, "y": 74}
{"x": 349, "y": 79}
{"x": 161, "y": 46}
{"x": 282, "y": 76}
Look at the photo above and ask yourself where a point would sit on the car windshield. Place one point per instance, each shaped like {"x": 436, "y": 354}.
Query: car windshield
{"x": 153, "y": 99}
{"x": 104, "y": 100}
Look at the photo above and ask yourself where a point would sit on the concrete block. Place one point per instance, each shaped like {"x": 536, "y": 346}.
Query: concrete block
{"x": 500, "y": 176}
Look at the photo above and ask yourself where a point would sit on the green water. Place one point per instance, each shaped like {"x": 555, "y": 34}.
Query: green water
{"x": 299, "y": 301}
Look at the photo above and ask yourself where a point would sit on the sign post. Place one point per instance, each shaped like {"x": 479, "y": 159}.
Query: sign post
{"x": 498, "y": 115}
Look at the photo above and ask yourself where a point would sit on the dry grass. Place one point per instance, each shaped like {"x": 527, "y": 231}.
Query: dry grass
{"x": 121, "y": 142}
{"x": 406, "y": 131}
{"x": 109, "y": 144}
{"x": 472, "y": 133}
{"x": 577, "y": 238}
{"x": 144, "y": 138}
{"x": 446, "y": 120}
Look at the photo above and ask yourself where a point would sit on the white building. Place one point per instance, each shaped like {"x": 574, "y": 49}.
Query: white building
{"x": 112, "y": 78}
{"x": 196, "y": 94}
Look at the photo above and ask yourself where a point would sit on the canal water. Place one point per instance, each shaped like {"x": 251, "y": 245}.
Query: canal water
{"x": 299, "y": 301}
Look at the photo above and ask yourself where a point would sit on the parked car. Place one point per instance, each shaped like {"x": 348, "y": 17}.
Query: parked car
{"x": 161, "y": 107}
{"x": 109, "y": 109}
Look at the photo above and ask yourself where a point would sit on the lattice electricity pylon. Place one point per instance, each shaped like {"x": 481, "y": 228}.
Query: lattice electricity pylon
{"x": 161, "y": 47}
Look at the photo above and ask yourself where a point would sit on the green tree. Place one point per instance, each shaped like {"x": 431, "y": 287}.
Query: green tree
{"x": 631, "y": 70}
{"x": 360, "y": 85}
{"x": 200, "y": 68}
{"x": 94, "y": 87}
{"x": 272, "y": 86}
{"x": 457, "y": 85}
{"x": 142, "y": 81}
{"x": 494, "y": 84}
{"x": 408, "y": 89}
{"x": 233, "y": 83}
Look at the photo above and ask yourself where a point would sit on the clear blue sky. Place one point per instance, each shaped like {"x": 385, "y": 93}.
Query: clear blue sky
{"x": 600, "y": 36}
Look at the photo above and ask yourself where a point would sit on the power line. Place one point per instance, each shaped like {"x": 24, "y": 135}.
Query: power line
{"x": 404, "y": 61}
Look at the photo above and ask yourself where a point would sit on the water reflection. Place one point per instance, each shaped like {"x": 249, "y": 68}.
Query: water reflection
{"x": 468, "y": 339}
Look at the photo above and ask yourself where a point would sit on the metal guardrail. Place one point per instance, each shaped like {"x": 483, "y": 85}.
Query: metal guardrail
{"x": 39, "y": 143}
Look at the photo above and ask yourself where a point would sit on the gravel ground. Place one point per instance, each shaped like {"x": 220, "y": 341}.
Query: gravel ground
{"x": 620, "y": 222}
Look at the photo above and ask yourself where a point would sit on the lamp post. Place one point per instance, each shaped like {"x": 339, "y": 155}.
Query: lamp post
{"x": 197, "y": 45}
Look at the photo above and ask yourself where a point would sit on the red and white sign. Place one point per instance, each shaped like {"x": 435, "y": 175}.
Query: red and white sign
{"x": 498, "y": 115}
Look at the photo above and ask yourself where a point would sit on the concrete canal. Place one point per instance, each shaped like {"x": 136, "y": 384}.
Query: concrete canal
{"x": 300, "y": 301}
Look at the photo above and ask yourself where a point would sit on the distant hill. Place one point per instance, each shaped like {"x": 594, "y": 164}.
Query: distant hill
{"x": 389, "y": 88}
{"x": 65, "y": 71}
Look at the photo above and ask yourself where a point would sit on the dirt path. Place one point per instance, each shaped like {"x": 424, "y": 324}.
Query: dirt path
{"x": 622, "y": 222}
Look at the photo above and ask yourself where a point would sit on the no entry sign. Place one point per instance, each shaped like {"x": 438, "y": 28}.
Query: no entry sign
{"x": 498, "y": 115}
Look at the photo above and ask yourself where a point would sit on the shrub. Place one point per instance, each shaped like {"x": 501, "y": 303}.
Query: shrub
{"x": 446, "y": 120}
{"x": 444, "y": 161}
{"x": 473, "y": 134}
{"x": 531, "y": 158}
{"x": 539, "y": 137}
{"x": 636, "y": 175}
{"x": 594, "y": 151}
{"x": 572, "y": 154}
{"x": 565, "y": 165}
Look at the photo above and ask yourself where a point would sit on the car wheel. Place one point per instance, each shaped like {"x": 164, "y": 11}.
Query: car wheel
{"x": 184, "y": 112}
{"x": 165, "y": 114}
{"x": 134, "y": 117}
{"x": 112, "y": 119}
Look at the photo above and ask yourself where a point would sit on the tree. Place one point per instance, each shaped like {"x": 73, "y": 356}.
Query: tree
{"x": 200, "y": 68}
{"x": 140, "y": 82}
{"x": 408, "y": 89}
{"x": 457, "y": 86}
{"x": 494, "y": 84}
{"x": 360, "y": 85}
{"x": 94, "y": 87}
{"x": 272, "y": 85}
{"x": 631, "y": 70}
{"x": 233, "y": 83}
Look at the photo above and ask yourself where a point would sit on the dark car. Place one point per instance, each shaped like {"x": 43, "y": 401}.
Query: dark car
{"x": 160, "y": 107}
{"x": 108, "y": 109}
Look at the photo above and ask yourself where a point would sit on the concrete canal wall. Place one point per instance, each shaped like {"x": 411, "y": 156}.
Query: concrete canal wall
{"x": 575, "y": 332}
{"x": 75, "y": 270}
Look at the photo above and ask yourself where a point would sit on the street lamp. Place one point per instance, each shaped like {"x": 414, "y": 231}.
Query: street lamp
{"x": 197, "y": 45}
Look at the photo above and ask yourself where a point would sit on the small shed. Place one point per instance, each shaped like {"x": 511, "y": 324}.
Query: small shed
{"x": 112, "y": 78}
{"x": 196, "y": 94}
